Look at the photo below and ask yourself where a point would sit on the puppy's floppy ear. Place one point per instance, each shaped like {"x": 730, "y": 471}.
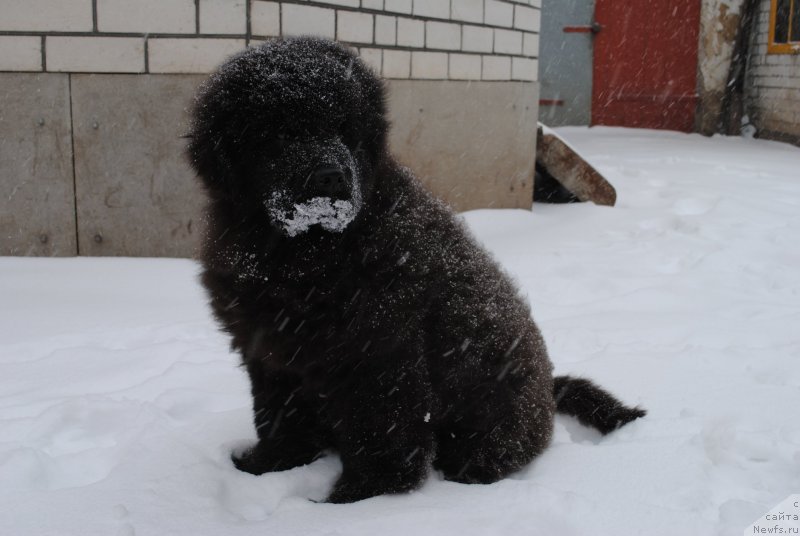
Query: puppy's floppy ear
{"x": 209, "y": 160}
{"x": 371, "y": 117}
{"x": 375, "y": 92}
{"x": 208, "y": 148}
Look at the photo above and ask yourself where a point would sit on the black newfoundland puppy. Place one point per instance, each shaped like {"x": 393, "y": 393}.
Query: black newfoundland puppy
{"x": 369, "y": 320}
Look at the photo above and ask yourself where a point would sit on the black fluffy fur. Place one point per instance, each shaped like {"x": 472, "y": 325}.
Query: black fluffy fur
{"x": 397, "y": 340}
{"x": 591, "y": 405}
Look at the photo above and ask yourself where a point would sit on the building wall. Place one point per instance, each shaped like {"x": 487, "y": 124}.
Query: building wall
{"x": 773, "y": 86}
{"x": 719, "y": 24}
{"x": 97, "y": 92}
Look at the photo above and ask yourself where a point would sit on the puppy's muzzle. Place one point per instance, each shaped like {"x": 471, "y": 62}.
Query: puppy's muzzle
{"x": 328, "y": 181}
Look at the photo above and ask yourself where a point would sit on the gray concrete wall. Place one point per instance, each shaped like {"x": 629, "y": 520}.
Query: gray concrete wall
{"x": 472, "y": 144}
{"x": 136, "y": 195}
{"x": 37, "y": 202}
{"x": 130, "y": 192}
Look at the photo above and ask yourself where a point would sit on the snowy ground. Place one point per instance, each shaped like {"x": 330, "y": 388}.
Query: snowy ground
{"x": 119, "y": 401}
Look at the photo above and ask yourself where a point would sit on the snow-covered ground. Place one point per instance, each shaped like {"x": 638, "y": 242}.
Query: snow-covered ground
{"x": 119, "y": 400}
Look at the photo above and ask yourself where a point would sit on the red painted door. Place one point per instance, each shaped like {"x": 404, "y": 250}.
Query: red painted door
{"x": 645, "y": 64}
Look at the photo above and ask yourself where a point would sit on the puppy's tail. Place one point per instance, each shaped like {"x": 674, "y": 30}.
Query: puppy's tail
{"x": 591, "y": 405}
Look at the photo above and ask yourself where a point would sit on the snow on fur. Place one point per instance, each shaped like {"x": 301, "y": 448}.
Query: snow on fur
{"x": 329, "y": 214}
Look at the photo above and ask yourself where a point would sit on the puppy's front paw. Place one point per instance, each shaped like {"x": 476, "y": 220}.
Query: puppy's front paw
{"x": 348, "y": 492}
{"x": 351, "y": 488}
{"x": 263, "y": 458}
{"x": 249, "y": 462}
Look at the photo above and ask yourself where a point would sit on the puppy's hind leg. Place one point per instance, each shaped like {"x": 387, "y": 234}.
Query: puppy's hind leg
{"x": 385, "y": 439}
{"x": 489, "y": 452}
{"x": 288, "y": 431}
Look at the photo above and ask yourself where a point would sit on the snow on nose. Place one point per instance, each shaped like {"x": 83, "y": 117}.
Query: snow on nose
{"x": 331, "y": 214}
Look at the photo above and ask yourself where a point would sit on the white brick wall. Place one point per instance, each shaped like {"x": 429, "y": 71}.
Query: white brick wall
{"x": 20, "y": 53}
{"x": 467, "y": 10}
{"x": 397, "y": 6}
{"x": 303, "y": 20}
{"x": 430, "y": 39}
{"x": 354, "y": 27}
{"x": 95, "y": 54}
{"x": 372, "y": 4}
{"x": 439, "y": 9}
{"x": 465, "y": 67}
{"x": 773, "y": 84}
{"x": 442, "y": 35}
{"x": 496, "y": 68}
{"x": 410, "y": 33}
{"x": 385, "y": 30}
{"x": 524, "y": 69}
{"x": 46, "y": 15}
{"x": 478, "y": 39}
{"x": 265, "y": 18}
{"x": 526, "y": 18}
{"x": 396, "y": 64}
{"x": 429, "y": 65}
{"x": 149, "y": 16}
{"x": 348, "y": 3}
{"x": 372, "y": 57}
{"x": 499, "y": 13}
{"x": 508, "y": 41}
{"x": 530, "y": 45}
{"x": 190, "y": 55}
{"x": 223, "y": 17}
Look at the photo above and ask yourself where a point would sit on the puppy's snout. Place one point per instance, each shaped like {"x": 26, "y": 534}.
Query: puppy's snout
{"x": 328, "y": 181}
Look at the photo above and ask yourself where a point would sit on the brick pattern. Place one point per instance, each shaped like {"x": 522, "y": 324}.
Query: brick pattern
{"x": 773, "y": 84}
{"x": 20, "y": 53}
{"x": 402, "y": 39}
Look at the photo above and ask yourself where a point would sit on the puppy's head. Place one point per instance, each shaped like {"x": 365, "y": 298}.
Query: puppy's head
{"x": 290, "y": 131}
